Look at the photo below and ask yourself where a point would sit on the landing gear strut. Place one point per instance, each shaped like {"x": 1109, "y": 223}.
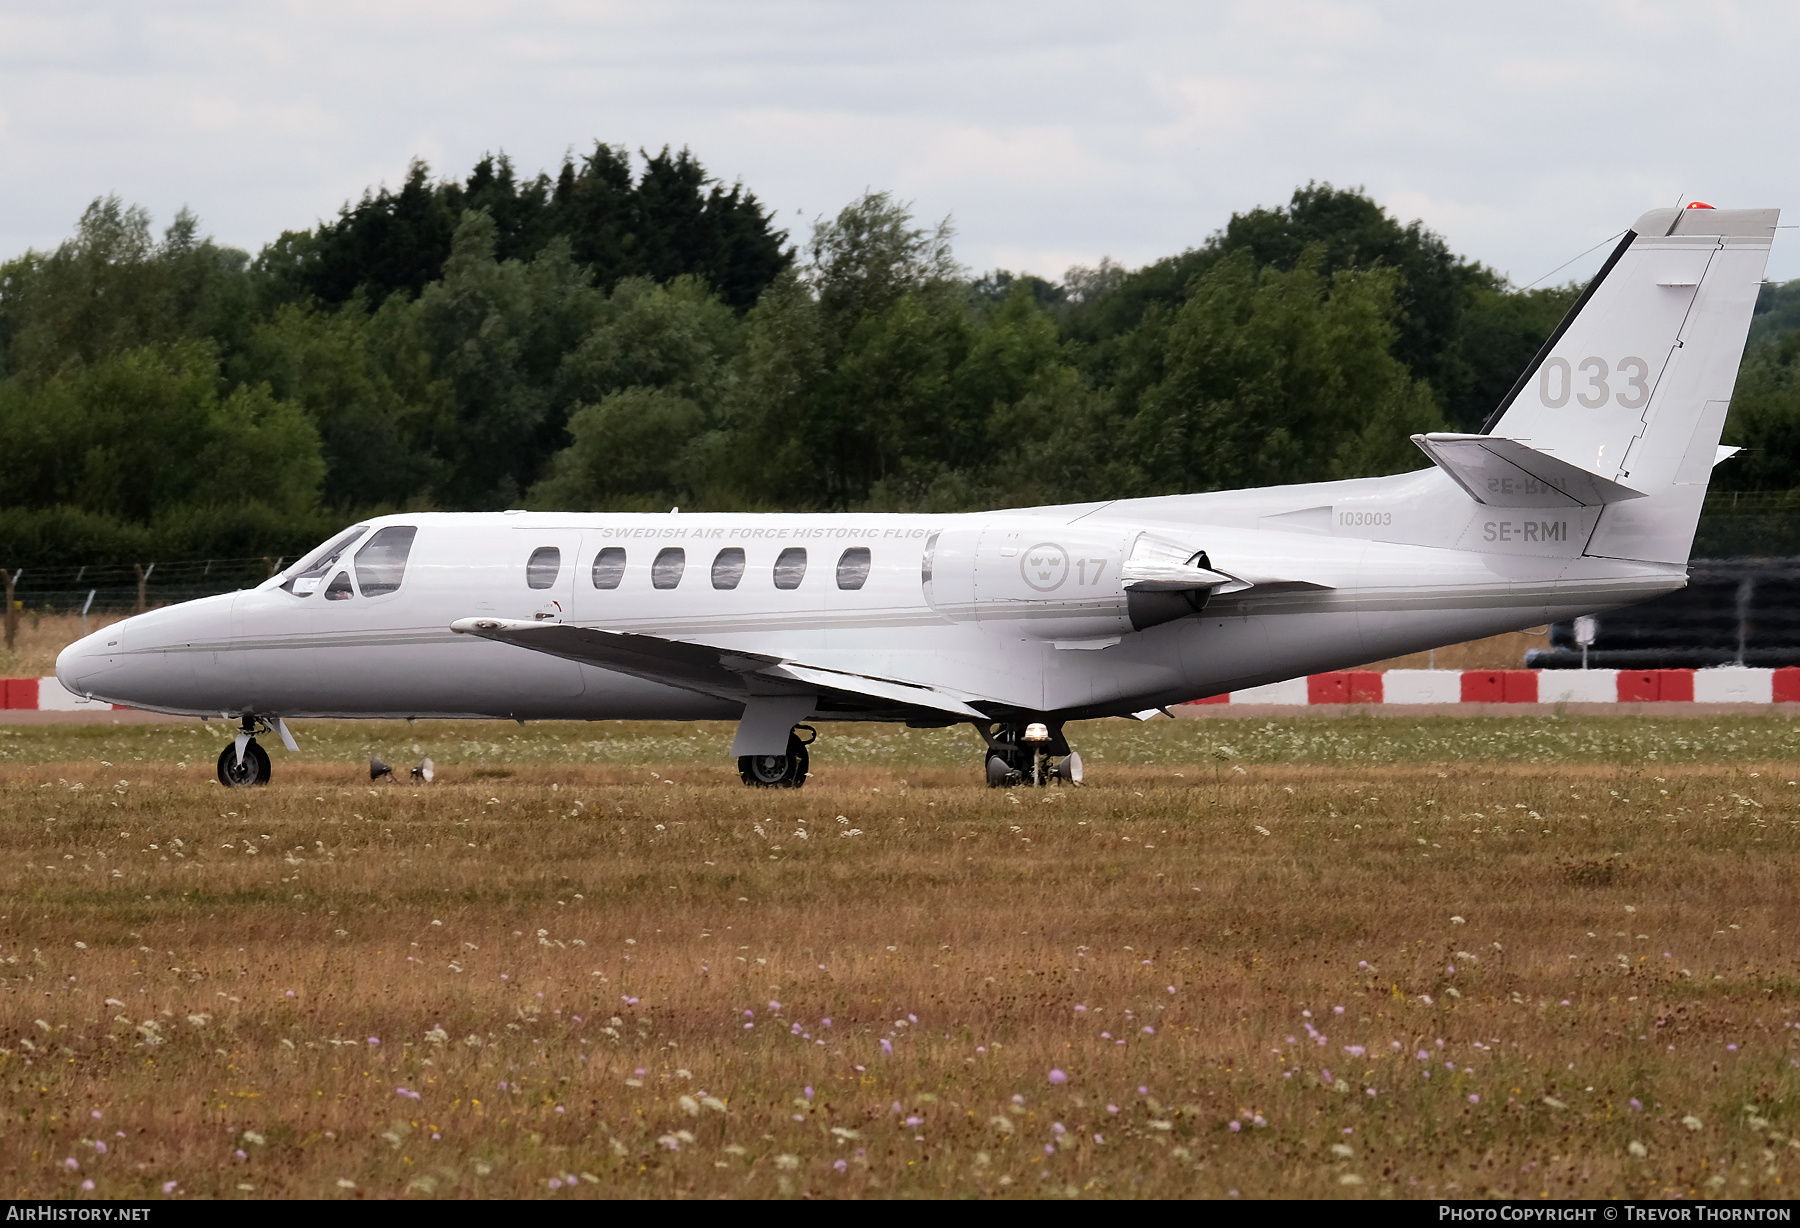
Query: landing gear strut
{"x": 244, "y": 763}
{"x": 1033, "y": 754}
{"x": 787, "y": 771}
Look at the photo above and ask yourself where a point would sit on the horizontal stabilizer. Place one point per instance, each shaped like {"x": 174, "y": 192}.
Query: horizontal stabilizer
{"x": 1506, "y": 473}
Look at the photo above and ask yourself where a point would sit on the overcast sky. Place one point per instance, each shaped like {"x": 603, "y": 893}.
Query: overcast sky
{"x": 1053, "y": 134}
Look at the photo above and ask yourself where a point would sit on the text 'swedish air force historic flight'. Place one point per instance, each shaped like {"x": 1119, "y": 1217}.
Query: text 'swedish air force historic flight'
{"x": 1580, "y": 495}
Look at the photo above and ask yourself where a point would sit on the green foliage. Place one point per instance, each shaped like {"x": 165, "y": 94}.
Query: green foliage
{"x": 144, "y": 441}
{"x": 606, "y": 339}
{"x": 112, "y": 287}
{"x": 369, "y": 386}
{"x": 1765, "y": 421}
{"x": 1268, "y": 377}
{"x": 673, "y": 220}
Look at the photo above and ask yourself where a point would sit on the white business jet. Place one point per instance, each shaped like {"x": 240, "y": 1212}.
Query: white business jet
{"x": 1581, "y": 495}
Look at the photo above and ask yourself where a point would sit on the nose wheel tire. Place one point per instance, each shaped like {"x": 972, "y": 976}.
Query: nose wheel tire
{"x": 254, "y": 770}
{"x": 775, "y": 771}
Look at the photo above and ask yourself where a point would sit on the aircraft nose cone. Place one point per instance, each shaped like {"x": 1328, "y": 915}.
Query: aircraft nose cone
{"x": 83, "y": 661}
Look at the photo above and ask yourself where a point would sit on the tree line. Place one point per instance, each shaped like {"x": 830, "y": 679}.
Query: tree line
{"x": 635, "y": 335}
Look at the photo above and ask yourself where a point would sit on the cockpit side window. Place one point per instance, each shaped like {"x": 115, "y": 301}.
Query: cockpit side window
{"x": 306, "y": 581}
{"x": 381, "y": 563}
{"x": 339, "y": 589}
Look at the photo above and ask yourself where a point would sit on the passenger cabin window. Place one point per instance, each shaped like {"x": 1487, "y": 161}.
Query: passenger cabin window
{"x": 381, "y": 563}
{"x": 666, "y": 571}
{"x": 790, "y": 567}
{"x": 728, "y": 567}
{"x": 306, "y": 582}
{"x": 853, "y": 567}
{"x": 339, "y": 589}
{"x": 609, "y": 567}
{"x": 542, "y": 567}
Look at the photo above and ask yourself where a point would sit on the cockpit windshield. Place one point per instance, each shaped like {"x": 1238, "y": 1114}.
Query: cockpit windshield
{"x": 317, "y": 566}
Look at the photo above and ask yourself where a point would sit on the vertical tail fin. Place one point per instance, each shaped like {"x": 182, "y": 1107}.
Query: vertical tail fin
{"x": 1634, "y": 384}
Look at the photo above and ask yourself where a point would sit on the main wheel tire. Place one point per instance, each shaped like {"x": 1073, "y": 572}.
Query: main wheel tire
{"x": 253, "y": 770}
{"x": 776, "y": 771}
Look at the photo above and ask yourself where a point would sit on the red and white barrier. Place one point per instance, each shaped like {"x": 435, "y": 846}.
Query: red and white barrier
{"x": 45, "y": 695}
{"x": 1724, "y": 685}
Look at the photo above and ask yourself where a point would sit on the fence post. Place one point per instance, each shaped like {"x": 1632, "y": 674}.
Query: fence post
{"x": 86, "y": 606}
{"x": 143, "y": 578}
{"x": 12, "y": 614}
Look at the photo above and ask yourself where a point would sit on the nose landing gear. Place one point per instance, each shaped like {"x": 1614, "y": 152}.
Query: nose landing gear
{"x": 1031, "y": 754}
{"x": 785, "y": 771}
{"x": 244, "y": 763}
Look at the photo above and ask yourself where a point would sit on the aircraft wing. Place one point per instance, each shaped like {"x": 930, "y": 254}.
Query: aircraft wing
{"x": 723, "y": 672}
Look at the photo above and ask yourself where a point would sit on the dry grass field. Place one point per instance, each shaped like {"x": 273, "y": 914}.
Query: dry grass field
{"x": 1331, "y": 958}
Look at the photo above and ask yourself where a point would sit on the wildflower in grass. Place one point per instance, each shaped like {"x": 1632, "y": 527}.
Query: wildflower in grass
{"x": 1337, "y": 1010}
{"x": 1354, "y": 1050}
{"x": 72, "y": 1163}
{"x": 774, "y": 1005}
{"x": 807, "y": 1092}
{"x": 842, "y": 1166}
{"x": 1150, "y": 1031}
{"x": 1080, "y": 1007}
{"x": 1049, "y": 1149}
{"x": 407, "y": 1092}
{"x": 1325, "y": 1075}
{"x": 1143, "y": 1091}
{"x": 1106, "y": 1036}
{"x": 1731, "y": 1048}
{"x": 825, "y": 1023}
{"x": 914, "y": 1121}
{"x": 100, "y": 1148}
{"x": 1057, "y": 1076}
{"x": 1424, "y": 1056}
{"x": 95, "y": 1114}
{"x": 1112, "y": 1108}
{"x": 554, "y": 1183}
{"x": 168, "y": 1187}
{"x": 1235, "y": 1126}
{"x": 374, "y": 1040}
{"x": 1637, "y": 1106}
{"x": 887, "y": 1046}
{"x": 749, "y": 1014}
{"x": 1474, "y": 1098}
{"x": 87, "y": 1185}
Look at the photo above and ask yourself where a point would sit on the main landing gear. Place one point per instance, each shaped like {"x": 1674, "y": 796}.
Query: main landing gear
{"x": 244, "y": 763}
{"x": 786, "y": 771}
{"x": 1028, "y": 753}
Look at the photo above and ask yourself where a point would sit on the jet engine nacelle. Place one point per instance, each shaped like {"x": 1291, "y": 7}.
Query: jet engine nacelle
{"x": 1054, "y": 582}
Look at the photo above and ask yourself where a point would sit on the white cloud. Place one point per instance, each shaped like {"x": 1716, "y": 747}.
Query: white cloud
{"x": 1054, "y": 132}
